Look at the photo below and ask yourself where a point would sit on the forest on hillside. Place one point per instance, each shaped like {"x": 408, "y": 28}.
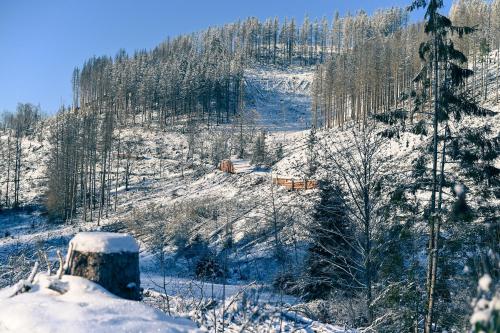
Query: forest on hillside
{"x": 401, "y": 230}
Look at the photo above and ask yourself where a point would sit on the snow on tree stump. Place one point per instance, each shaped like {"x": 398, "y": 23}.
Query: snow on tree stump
{"x": 109, "y": 259}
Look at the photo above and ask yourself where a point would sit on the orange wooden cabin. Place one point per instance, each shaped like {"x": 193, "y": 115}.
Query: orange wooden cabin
{"x": 227, "y": 166}
{"x": 296, "y": 185}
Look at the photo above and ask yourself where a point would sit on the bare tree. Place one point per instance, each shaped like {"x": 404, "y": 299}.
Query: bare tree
{"x": 360, "y": 165}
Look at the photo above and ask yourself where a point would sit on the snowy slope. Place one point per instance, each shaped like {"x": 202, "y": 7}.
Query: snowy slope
{"x": 162, "y": 178}
{"x": 282, "y": 97}
{"x": 34, "y": 158}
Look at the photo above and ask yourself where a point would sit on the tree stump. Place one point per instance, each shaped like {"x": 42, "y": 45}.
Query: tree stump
{"x": 108, "y": 259}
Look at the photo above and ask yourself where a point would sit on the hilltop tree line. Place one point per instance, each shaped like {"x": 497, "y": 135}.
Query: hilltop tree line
{"x": 484, "y": 16}
{"x": 200, "y": 76}
{"x": 189, "y": 81}
{"x": 376, "y": 74}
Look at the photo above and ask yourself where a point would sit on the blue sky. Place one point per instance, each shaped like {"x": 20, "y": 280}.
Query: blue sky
{"x": 43, "y": 40}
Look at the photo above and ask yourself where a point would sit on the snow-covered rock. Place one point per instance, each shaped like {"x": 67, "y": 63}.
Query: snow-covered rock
{"x": 485, "y": 282}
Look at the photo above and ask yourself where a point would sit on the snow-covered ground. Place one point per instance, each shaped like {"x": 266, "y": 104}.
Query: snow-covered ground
{"x": 83, "y": 307}
{"x": 281, "y": 97}
{"x": 162, "y": 179}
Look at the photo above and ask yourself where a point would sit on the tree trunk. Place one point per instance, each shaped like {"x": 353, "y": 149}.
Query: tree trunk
{"x": 368, "y": 244}
{"x": 430, "y": 270}
{"x": 8, "y": 169}
{"x": 498, "y": 67}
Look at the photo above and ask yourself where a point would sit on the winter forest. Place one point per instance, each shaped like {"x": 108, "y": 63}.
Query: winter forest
{"x": 333, "y": 174}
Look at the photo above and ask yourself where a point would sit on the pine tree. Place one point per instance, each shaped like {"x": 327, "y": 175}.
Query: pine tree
{"x": 259, "y": 154}
{"x": 279, "y": 154}
{"x": 441, "y": 66}
{"x": 312, "y": 158}
{"x": 330, "y": 262}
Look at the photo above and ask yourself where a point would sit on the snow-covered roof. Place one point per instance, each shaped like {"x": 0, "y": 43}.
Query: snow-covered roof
{"x": 85, "y": 307}
{"x": 103, "y": 242}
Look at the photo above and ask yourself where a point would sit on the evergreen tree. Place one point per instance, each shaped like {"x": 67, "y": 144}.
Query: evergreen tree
{"x": 259, "y": 156}
{"x": 330, "y": 264}
{"x": 312, "y": 158}
{"x": 442, "y": 68}
{"x": 279, "y": 154}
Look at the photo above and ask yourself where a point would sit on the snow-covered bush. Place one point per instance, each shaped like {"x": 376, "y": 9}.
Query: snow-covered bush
{"x": 486, "y": 315}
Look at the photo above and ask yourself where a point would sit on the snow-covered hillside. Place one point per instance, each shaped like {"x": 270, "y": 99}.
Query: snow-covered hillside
{"x": 282, "y": 97}
{"x": 185, "y": 200}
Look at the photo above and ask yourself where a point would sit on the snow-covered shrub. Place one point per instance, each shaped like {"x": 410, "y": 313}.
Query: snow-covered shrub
{"x": 259, "y": 152}
{"x": 195, "y": 248}
{"x": 279, "y": 153}
{"x": 420, "y": 128}
{"x": 209, "y": 267}
{"x": 338, "y": 310}
{"x": 486, "y": 314}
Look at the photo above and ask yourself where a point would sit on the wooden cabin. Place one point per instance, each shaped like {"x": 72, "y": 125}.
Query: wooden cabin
{"x": 227, "y": 166}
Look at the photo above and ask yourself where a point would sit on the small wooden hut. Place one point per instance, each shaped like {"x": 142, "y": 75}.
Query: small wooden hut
{"x": 227, "y": 166}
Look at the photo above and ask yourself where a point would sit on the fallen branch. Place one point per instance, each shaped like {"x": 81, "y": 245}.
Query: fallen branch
{"x": 26, "y": 285}
{"x": 43, "y": 256}
{"x": 60, "y": 271}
